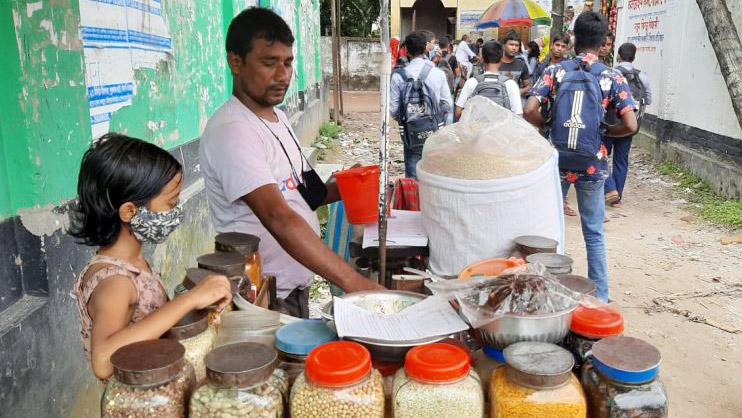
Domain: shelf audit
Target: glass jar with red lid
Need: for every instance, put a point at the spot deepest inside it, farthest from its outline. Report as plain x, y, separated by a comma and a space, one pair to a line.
590, 325
338, 381
437, 381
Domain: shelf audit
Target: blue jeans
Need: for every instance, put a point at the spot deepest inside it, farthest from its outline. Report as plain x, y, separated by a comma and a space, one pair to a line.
620, 148
411, 157
591, 205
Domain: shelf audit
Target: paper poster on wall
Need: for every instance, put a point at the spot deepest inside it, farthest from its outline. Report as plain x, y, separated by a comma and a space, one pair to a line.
645, 28
468, 21
118, 37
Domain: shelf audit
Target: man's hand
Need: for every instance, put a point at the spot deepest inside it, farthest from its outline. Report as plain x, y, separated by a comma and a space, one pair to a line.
361, 283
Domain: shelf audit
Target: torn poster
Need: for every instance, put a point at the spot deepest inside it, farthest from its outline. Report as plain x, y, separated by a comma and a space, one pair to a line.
119, 36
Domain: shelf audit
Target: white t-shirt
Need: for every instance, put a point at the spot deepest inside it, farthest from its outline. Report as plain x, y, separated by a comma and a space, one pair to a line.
463, 55
511, 86
240, 154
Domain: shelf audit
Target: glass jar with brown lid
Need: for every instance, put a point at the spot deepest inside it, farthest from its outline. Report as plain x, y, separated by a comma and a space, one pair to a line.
195, 334
231, 265
241, 383
247, 245
150, 378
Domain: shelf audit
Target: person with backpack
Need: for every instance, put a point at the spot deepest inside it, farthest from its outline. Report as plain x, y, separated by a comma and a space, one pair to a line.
619, 148
579, 91
420, 100
490, 84
442, 63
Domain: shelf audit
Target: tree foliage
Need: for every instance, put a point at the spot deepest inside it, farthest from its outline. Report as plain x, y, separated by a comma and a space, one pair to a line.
356, 17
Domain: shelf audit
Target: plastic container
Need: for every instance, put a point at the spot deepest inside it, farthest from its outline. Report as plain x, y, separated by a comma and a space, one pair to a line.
197, 337
621, 380
240, 384
295, 341
150, 378
590, 325
437, 382
492, 267
486, 361
246, 245
338, 381
537, 381
240, 326
359, 189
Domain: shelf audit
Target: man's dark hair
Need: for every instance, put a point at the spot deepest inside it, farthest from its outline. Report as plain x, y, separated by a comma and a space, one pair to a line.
560, 37
415, 43
512, 36
117, 169
492, 52
256, 23
590, 31
443, 43
534, 50
611, 36
429, 35
627, 52
480, 41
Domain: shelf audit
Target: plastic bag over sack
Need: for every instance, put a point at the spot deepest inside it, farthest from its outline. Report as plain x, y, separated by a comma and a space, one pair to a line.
489, 142
522, 291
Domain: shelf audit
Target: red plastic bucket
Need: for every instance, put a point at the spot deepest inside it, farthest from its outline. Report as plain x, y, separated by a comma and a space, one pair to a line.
359, 189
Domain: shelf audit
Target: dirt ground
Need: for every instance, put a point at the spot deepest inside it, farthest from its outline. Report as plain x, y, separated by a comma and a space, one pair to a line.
678, 286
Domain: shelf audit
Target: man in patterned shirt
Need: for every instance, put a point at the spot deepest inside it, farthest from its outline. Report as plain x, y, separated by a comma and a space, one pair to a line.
590, 32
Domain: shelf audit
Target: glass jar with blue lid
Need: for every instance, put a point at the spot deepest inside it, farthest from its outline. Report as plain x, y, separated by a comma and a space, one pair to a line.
295, 341
621, 380
486, 362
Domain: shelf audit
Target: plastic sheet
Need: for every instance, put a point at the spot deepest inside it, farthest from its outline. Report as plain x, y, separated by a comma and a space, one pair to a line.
489, 142
525, 290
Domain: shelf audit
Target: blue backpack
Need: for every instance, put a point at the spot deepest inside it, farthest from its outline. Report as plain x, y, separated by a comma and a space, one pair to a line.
419, 115
577, 113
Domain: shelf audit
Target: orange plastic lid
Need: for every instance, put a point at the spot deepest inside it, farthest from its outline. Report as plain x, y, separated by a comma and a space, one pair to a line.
338, 364
437, 363
491, 268
597, 322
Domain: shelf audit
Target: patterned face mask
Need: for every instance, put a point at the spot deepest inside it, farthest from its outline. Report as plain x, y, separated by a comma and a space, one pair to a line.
155, 227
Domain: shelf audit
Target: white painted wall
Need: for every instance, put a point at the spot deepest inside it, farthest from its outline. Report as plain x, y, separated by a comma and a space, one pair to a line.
686, 81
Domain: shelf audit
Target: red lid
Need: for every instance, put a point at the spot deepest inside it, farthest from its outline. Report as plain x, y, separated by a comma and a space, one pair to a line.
437, 363
338, 364
597, 322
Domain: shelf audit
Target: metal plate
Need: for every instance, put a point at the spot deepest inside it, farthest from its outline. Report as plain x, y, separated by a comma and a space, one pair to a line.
538, 364
531, 244
550, 260
627, 354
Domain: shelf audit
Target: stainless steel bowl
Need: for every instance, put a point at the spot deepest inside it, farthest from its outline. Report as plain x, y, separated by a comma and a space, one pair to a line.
510, 329
386, 302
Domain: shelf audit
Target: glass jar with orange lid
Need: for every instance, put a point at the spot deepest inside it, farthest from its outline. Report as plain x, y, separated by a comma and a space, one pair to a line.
246, 245
437, 381
590, 325
338, 381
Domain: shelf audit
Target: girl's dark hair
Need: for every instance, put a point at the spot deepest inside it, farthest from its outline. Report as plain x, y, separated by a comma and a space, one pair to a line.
535, 51
115, 170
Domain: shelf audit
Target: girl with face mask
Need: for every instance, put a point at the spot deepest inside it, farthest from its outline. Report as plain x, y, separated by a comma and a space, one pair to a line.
128, 193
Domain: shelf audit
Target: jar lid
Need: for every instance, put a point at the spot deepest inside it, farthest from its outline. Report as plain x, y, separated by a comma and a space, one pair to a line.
578, 284
228, 264
626, 359
338, 364
538, 365
194, 276
300, 338
386, 368
194, 323
550, 260
151, 362
494, 354
437, 363
597, 322
237, 242
240, 365
531, 244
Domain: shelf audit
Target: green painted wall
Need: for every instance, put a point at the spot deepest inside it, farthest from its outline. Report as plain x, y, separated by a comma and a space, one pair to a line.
45, 124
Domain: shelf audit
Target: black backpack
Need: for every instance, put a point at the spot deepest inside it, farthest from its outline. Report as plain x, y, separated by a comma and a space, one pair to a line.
490, 86
638, 89
419, 115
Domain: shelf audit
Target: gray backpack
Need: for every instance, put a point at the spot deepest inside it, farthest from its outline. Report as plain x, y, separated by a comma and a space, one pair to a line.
490, 86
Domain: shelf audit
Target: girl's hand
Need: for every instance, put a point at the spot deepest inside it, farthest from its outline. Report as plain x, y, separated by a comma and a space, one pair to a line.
215, 289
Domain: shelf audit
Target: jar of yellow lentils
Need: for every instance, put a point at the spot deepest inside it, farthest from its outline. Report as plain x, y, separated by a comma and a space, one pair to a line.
537, 381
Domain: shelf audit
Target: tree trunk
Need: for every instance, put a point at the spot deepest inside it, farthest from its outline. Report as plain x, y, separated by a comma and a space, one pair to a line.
557, 17
726, 43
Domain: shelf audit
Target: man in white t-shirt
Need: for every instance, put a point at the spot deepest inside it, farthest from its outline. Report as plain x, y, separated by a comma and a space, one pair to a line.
492, 55
257, 180
463, 55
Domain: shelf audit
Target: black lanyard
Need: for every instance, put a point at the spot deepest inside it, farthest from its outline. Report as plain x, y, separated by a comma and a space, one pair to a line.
301, 155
